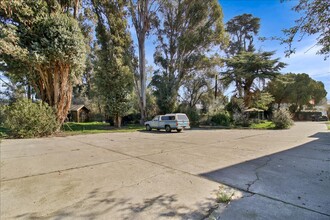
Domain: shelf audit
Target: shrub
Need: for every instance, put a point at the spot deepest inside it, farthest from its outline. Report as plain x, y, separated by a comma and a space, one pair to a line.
25, 119
2, 114
282, 119
193, 116
221, 118
241, 119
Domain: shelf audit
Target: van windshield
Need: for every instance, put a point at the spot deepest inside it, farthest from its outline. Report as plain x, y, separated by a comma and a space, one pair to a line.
182, 117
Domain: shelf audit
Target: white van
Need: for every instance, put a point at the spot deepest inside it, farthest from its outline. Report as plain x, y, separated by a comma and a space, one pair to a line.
169, 122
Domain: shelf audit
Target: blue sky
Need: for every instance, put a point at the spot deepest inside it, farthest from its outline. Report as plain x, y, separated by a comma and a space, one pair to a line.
275, 16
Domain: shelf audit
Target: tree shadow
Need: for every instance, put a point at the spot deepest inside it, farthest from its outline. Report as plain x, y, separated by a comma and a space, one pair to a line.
99, 204
299, 176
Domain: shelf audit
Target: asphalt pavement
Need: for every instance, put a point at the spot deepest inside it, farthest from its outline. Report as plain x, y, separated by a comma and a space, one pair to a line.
271, 174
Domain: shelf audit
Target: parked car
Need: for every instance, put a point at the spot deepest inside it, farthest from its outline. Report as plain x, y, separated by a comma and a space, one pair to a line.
319, 118
323, 118
169, 122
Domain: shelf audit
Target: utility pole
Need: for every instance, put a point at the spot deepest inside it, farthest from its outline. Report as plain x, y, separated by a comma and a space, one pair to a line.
216, 87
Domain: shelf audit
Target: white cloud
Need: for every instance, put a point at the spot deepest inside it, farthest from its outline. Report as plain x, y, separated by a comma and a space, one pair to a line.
305, 60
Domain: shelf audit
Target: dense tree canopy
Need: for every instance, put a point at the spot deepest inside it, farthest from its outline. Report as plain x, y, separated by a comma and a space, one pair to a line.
247, 67
114, 58
186, 32
45, 49
242, 29
297, 90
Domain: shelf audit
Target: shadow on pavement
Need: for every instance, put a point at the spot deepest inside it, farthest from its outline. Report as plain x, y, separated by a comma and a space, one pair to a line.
98, 205
299, 176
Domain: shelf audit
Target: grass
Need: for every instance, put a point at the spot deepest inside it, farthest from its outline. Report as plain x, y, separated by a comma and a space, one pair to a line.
224, 195
328, 124
73, 128
263, 125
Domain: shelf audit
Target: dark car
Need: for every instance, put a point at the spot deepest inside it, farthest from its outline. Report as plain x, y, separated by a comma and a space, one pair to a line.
323, 118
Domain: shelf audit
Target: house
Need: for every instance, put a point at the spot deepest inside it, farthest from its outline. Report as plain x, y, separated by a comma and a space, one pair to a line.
78, 113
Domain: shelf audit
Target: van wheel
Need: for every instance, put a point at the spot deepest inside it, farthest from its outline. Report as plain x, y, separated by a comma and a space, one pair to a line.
148, 128
167, 128
179, 130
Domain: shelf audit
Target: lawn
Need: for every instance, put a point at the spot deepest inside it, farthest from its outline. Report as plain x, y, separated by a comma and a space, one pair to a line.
3, 132
72, 128
328, 124
263, 125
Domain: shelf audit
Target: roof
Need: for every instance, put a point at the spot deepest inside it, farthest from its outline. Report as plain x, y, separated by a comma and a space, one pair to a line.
254, 110
78, 107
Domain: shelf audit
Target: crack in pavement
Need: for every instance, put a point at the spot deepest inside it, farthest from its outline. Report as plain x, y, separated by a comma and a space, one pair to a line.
63, 170
257, 173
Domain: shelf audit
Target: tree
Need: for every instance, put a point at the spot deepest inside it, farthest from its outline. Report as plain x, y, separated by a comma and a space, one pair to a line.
46, 49
114, 70
281, 88
305, 91
142, 16
242, 29
262, 100
247, 67
296, 89
314, 21
186, 34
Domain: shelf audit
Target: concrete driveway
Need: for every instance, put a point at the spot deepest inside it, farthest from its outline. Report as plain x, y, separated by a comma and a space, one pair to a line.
156, 175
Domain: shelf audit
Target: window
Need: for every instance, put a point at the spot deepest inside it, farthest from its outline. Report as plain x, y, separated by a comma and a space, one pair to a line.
182, 117
155, 118
171, 117
165, 118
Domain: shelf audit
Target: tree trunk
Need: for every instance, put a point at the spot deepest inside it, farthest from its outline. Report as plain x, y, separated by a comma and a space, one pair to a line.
117, 121
29, 96
142, 68
55, 88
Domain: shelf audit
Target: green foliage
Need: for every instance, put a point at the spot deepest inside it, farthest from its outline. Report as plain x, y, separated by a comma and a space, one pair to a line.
221, 118
262, 100
296, 89
43, 50
186, 34
56, 39
191, 112
114, 63
224, 195
242, 29
193, 116
282, 119
246, 67
281, 88
263, 125
314, 20
25, 119
241, 119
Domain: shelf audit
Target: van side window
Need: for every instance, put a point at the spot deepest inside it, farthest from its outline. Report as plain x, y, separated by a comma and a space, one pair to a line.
182, 117
165, 118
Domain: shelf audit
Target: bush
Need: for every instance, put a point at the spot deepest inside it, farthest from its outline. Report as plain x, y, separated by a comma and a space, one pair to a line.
2, 114
25, 119
221, 118
241, 119
282, 119
193, 116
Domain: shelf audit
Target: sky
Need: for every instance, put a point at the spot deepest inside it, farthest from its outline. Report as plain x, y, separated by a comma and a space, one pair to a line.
275, 16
